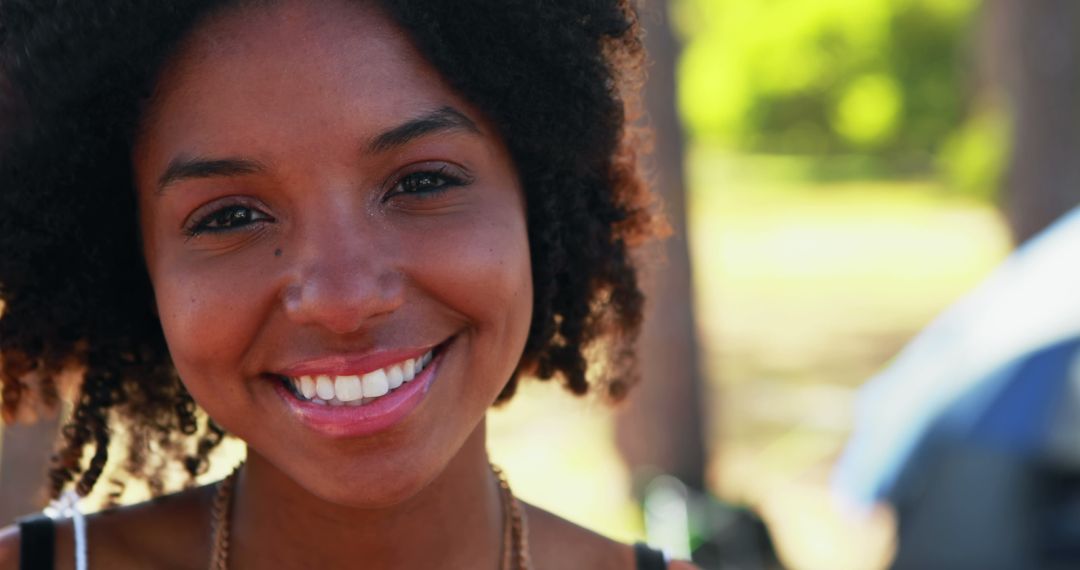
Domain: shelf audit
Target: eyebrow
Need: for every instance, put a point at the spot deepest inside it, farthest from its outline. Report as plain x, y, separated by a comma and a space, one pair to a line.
443, 119
440, 120
183, 168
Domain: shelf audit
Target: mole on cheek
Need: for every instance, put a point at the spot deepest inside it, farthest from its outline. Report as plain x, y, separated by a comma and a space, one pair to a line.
277, 252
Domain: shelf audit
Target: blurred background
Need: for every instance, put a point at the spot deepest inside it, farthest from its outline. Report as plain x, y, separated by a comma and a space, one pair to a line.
837, 172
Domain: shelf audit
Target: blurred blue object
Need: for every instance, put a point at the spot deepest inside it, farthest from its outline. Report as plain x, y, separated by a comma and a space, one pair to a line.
965, 374
972, 433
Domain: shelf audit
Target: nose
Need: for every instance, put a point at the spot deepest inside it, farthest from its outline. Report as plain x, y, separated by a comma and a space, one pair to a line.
341, 279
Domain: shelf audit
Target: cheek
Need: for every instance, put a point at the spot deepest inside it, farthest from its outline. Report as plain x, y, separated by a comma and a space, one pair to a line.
209, 313
482, 271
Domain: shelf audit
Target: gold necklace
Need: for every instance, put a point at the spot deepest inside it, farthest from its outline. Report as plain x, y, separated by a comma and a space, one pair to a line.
515, 547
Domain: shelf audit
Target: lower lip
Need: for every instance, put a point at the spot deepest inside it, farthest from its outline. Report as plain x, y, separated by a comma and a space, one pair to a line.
368, 419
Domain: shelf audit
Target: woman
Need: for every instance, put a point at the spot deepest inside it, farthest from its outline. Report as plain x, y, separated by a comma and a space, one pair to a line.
344, 229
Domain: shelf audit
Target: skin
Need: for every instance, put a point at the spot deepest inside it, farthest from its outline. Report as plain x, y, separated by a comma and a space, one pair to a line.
331, 243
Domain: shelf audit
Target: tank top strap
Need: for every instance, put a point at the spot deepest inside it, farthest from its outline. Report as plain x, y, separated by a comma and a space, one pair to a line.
37, 539
648, 558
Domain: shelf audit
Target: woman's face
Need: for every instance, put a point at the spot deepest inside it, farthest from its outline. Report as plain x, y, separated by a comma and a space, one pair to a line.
319, 212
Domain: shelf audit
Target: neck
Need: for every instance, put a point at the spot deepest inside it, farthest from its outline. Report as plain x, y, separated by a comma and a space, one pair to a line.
454, 522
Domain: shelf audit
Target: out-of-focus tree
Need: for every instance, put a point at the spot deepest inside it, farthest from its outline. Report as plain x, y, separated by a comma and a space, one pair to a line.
890, 80
1032, 48
662, 428
24, 457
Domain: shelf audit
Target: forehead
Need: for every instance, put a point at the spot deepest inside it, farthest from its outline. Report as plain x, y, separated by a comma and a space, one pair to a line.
289, 70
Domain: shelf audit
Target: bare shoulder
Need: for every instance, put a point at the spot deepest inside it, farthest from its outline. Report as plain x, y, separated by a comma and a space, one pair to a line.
9, 548
166, 532
138, 536
556, 543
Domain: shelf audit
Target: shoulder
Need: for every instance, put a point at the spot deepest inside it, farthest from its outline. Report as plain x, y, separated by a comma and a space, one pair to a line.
166, 532
9, 548
556, 543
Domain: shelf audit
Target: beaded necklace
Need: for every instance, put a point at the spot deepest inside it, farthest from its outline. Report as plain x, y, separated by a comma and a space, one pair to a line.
515, 547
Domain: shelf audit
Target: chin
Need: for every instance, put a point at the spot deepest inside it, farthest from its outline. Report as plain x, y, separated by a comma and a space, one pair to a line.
367, 483
369, 491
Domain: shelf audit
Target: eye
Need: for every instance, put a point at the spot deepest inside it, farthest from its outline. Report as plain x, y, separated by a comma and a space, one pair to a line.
226, 219
429, 182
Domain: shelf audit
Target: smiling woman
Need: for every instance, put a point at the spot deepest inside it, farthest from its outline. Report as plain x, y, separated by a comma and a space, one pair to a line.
337, 230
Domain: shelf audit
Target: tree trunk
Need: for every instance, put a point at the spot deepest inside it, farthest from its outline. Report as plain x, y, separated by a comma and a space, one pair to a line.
661, 427
1033, 47
24, 459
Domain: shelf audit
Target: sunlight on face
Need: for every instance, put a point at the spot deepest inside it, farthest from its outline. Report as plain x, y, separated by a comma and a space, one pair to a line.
313, 197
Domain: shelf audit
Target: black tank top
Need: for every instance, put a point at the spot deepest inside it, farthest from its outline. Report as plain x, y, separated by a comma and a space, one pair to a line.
36, 537
38, 534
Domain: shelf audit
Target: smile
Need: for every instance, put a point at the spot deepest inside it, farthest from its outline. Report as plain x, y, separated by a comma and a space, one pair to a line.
345, 402
356, 389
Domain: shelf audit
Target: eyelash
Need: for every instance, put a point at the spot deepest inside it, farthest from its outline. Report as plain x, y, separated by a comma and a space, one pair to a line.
435, 182
226, 214
425, 184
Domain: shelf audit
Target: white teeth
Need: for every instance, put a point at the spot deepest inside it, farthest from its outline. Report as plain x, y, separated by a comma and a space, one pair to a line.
375, 384
324, 387
354, 390
307, 387
395, 376
348, 388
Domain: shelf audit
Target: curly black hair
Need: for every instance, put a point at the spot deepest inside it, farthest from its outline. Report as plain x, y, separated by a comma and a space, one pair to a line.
558, 80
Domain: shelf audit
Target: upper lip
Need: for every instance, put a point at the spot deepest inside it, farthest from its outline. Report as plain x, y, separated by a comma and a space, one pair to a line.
341, 364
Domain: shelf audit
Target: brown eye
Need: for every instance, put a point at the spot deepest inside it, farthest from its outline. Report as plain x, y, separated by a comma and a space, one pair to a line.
226, 219
429, 183
420, 182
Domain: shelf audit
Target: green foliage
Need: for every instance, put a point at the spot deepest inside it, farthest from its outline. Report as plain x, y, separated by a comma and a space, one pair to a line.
880, 78
868, 112
974, 156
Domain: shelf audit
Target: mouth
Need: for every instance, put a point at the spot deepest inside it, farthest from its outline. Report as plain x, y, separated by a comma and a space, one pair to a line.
356, 389
352, 404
